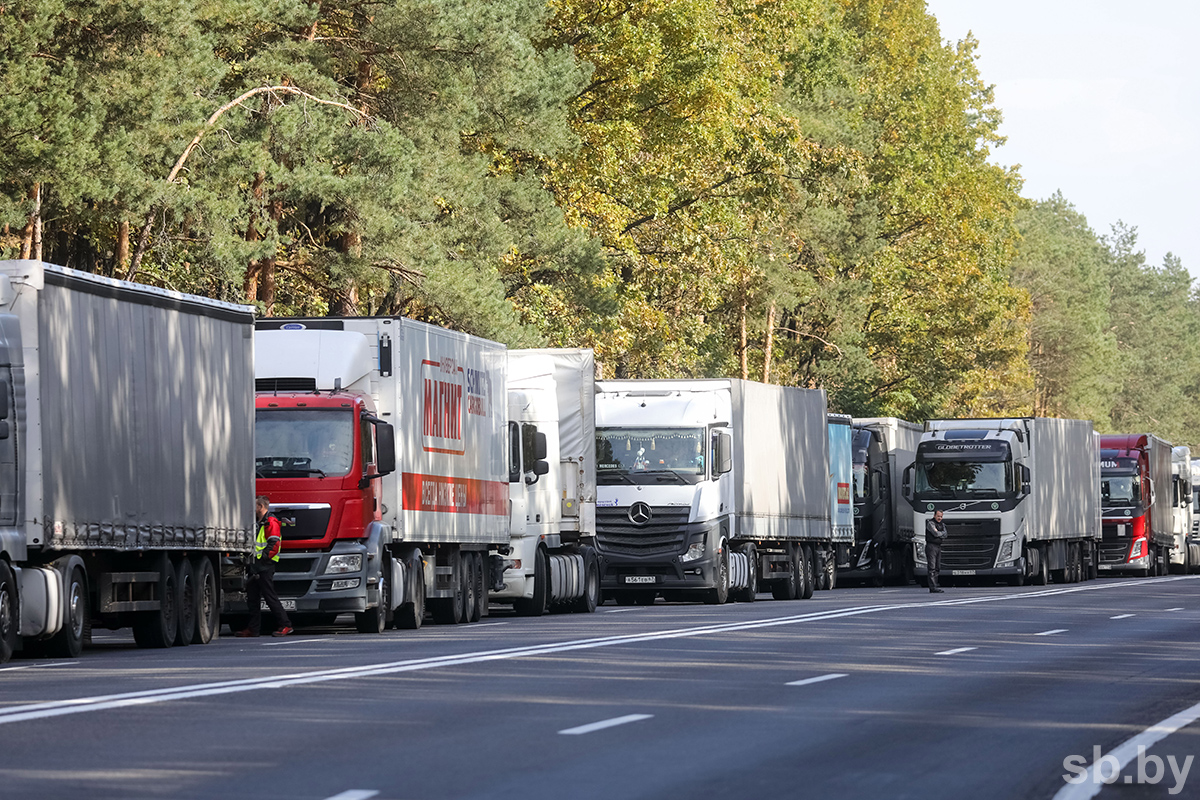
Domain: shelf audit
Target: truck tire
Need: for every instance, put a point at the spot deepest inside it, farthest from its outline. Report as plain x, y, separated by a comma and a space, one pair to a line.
1040, 569
68, 642
411, 614
830, 570
588, 601
450, 610
808, 572
481, 588
158, 628
185, 586
719, 594
374, 620
536, 606
8, 612
789, 587
208, 601
748, 594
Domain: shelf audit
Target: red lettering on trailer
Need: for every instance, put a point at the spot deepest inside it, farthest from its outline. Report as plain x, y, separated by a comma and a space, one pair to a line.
442, 412
443, 494
843, 493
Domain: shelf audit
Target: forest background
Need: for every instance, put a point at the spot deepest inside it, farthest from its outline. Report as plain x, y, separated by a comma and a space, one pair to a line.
802, 192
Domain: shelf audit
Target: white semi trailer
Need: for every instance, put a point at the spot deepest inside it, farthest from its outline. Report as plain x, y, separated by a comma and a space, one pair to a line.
126, 418
710, 489
552, 482
1181, 509
1020, 497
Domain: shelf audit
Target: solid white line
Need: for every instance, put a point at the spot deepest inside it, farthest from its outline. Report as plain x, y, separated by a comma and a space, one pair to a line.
820, 679
79, 705
13, 669
955, 651
354, 794
488, 624
1051, 633
292, 641
1123, 616
618, 610
608, 723
1175, 609
1126, 752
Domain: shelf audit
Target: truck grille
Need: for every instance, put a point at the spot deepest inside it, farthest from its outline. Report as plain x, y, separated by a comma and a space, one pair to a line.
302, 522
971, 544
1113, 552
664, 534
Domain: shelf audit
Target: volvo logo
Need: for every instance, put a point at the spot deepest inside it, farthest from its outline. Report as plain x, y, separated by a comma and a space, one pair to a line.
640, 513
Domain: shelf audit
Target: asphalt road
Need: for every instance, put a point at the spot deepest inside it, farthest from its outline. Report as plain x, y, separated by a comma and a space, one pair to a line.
859, 693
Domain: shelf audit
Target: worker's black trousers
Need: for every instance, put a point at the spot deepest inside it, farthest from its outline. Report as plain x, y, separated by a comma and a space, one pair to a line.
933, 557
260, 587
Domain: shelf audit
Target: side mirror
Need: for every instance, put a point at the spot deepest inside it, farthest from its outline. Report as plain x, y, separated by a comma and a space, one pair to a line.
1151, 481
385, 442
540, 467
1026, 480
906, 483
723, 454
540, 449
3, 399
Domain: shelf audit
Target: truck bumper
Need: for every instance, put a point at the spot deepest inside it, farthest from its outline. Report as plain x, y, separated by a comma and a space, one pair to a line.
627, 573
304, 583
922, 571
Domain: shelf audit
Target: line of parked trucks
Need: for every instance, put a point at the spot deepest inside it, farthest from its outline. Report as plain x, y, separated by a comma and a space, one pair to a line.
419, 471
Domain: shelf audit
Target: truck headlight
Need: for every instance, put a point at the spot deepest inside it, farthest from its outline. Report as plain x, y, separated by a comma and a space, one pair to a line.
1006, 551
695, 550
920, 550
339, 564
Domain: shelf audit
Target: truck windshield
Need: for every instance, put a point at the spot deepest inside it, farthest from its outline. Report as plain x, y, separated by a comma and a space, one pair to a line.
963, 480
1120, 490
292, 442
650, 455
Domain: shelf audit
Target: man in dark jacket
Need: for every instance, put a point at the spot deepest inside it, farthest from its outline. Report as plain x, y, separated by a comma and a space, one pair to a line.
260, 583
935, 534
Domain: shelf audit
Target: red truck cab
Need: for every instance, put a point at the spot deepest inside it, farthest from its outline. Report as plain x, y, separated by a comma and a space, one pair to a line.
1134, 468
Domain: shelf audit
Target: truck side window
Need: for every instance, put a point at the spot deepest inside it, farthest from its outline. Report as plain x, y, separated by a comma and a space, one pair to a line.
367, 435
514, 452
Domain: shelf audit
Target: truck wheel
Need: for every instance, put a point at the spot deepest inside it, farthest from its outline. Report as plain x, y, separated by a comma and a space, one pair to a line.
479, 564
536, 606
809, 570
748, 594
830, 570
185, 585
587, 602
1041, 571
68, 642
410, 615
208, 605
8, 612
719, 594
789, 587
158, 628
470, 590
374, 620
1093, 568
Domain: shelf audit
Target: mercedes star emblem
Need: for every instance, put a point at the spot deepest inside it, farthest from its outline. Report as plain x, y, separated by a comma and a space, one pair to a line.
639, 513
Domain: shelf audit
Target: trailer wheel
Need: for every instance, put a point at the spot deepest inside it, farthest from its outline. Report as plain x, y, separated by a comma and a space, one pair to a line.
590, 598
8, 612
536, 606
809, 572
789, 587
748, 594
158, 628
410, 615
208, 605
185, 582
68, 642
719, 594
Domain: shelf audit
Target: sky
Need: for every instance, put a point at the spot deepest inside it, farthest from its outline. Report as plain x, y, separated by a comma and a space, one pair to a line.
1101, 100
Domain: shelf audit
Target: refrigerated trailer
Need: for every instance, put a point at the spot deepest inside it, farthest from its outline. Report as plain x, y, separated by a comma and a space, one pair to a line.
552, 482
382, 444
710, 489
883, 518
1020, 497
126, 458
1181, 510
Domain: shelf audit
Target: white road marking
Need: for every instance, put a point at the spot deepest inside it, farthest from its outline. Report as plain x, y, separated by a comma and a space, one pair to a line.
1126, 752
488, 624
1051, 633
1123, 616
40, 666
292, 641
607, 723
820, 679
618, 610
956, 651
354, 794
80, 705
1175, 609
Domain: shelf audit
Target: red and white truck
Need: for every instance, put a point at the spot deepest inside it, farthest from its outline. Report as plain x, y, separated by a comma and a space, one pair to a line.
1135, 498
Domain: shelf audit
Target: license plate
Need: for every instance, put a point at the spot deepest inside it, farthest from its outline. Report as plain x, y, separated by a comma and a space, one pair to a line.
288, 605
962, 572
639, 579
1106, 566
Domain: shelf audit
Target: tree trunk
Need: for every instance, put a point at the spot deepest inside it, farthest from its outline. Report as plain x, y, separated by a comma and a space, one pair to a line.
31, 239
122, 247
743, 355
770, 344
250, 280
